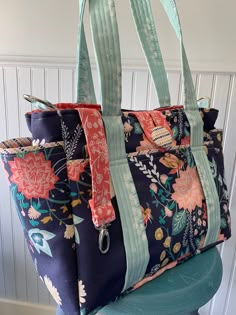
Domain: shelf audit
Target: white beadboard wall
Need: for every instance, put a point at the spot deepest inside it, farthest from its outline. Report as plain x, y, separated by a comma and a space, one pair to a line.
55, 82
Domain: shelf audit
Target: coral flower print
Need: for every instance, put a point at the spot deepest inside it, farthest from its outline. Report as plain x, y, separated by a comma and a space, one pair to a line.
147, 215
153, 187
75, 168
172, 161
82, 293
168, 212
188, 190
33, 175
52, 290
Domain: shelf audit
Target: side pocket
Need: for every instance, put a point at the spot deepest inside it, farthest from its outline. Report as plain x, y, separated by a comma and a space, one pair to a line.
39, 186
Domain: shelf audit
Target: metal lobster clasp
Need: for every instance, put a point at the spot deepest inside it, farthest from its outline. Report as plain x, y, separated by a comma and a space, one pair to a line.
103, 239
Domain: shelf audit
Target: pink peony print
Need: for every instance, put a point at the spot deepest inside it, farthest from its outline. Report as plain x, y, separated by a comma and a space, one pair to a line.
188, 190
33, 175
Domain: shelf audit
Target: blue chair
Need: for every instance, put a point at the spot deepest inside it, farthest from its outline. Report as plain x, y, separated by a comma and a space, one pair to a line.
179, 291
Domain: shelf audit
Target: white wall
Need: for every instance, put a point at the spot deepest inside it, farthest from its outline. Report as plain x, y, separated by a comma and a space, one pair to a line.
48, 28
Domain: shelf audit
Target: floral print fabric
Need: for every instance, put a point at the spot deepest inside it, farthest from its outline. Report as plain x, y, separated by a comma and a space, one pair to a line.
39, 187
57, 218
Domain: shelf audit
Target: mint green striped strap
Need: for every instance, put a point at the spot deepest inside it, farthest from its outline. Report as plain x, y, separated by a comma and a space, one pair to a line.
196, 124
146, 29
107, 52
84, 81
211, 195
134, 234
106, 42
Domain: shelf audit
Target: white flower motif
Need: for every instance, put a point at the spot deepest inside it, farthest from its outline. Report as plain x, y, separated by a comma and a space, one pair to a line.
82, 292
37, 142
52, 290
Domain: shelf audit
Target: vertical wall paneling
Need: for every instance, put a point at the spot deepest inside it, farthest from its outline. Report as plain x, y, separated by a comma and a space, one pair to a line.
127, 81
7, 235
2, 280
51, 85
66, 85
230, 303
174, 79
229, 133
220, 97
205, 85
24, 87
11, 98
223, 296
3, 125
18, 279
38, 82
7, 214
3, 135
152, 100
23, 79
140, 90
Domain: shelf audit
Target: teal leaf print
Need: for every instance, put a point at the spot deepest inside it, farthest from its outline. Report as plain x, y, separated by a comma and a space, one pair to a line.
39, 239
137, 128
186, 132
77, 238
152, 192
42, 211
162, 221
24, 205
34, 223
73, 194
171, 206
160, 192
179, 222
156, 203
223, 223
20, 197
77, 219
36, 205
175, 131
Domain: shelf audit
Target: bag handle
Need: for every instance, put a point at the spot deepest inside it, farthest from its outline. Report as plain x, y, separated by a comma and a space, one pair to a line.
84, 81
145, 26
109, 63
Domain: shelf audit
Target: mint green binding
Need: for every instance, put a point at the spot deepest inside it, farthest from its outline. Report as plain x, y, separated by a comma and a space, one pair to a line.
107, 48
196, 124
84, 81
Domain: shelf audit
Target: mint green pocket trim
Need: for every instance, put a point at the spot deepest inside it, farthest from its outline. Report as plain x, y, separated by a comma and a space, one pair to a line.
134, 233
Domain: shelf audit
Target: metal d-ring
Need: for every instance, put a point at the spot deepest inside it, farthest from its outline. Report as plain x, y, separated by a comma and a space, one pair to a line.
104, 239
